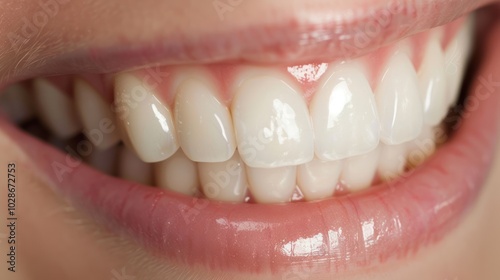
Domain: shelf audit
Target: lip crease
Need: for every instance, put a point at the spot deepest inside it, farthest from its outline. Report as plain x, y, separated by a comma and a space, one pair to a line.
315, 33
389, 221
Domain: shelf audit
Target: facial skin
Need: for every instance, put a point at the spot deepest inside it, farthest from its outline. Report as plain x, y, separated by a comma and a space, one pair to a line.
57, 241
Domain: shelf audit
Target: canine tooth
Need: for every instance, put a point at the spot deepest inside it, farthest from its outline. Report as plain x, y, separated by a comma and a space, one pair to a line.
56, 109
398, 101
317, 179
456, 56
358, 172
104, 160
272, 123
224, 181
204, 124
272, 185
344, 115
16, 103
392, 160
147, 121
96, 116
433, 84
178, 173
131, 168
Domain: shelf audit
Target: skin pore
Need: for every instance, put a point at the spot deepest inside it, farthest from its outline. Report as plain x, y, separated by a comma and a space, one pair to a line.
59, 241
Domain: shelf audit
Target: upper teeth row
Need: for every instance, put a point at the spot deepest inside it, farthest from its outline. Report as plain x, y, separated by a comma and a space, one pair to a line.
268, 121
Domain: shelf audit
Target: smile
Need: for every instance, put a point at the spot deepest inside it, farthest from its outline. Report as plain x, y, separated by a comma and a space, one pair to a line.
334, 151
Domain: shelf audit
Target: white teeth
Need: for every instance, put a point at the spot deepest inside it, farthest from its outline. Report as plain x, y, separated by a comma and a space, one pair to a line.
344, 115
96, 116
146, 120
318, 179
392, 161
272, 185
56, 109
204, 124
272, 123
358, 172
456, 56
16, 103
423, 147
131, 168
224, 181
433, 84
398, 101
177, 173
104, 161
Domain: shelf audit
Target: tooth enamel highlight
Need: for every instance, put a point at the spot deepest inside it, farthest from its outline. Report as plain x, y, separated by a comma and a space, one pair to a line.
272, 185
96, 116
16, 103
398, 101
204, 124
224, 181
456, 56
317, 179
344, 115
147, 121
433, 84
105, 161
358, 172
272, 123
178, 173
55, 109
131, 168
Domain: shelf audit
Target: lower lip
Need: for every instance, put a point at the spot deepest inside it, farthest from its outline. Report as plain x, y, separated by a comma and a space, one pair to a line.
386, 222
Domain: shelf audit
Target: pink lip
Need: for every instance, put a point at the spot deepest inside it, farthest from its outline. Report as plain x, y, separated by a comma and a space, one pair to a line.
387, 222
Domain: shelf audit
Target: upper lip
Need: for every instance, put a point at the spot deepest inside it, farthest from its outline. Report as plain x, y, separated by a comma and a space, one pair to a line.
308, 31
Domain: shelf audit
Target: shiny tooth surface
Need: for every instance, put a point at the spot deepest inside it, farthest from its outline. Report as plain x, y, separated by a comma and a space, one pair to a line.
456, 57
177, 173
16, 102
131, 168
104, 160
433, 84
95, 115
224, 181
358, 172
272, 123
398, 101
392, 160
272, 185
146, 120
318, 179
344, 115
55, 109
204, 124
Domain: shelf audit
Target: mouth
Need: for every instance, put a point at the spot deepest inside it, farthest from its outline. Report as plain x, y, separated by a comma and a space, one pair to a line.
339, 164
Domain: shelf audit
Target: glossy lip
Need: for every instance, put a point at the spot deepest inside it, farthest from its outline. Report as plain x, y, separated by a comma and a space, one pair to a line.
386, 222
316, 31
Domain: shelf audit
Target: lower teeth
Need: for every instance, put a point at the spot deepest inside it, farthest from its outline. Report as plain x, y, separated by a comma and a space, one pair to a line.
233, 181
